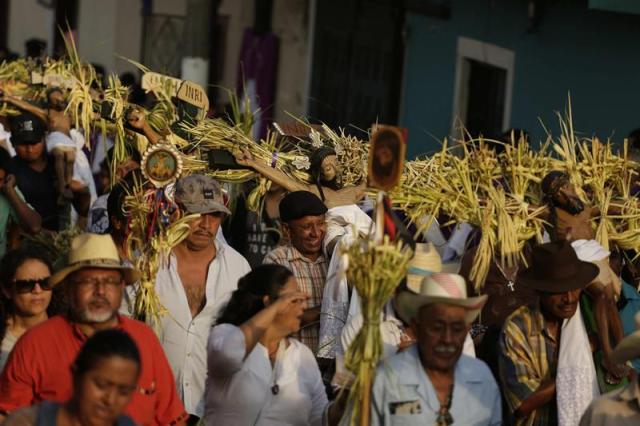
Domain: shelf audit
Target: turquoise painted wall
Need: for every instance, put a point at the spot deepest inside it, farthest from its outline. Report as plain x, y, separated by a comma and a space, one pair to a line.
594, 55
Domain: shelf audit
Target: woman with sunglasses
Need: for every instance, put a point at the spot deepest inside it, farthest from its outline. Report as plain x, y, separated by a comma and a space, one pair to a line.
25, 296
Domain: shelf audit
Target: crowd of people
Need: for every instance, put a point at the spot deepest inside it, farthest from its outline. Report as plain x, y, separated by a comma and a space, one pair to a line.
256, 316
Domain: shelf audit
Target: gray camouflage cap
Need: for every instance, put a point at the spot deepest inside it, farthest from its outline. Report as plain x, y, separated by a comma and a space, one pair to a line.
200, 194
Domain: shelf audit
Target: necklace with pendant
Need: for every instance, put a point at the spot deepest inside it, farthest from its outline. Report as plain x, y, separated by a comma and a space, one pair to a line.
279, 354
510, 279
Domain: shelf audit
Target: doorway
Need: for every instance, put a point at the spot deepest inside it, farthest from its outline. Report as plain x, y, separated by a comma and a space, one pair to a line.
357, 63
483, 89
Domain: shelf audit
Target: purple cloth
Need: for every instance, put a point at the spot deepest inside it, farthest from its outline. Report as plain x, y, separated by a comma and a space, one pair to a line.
259, 62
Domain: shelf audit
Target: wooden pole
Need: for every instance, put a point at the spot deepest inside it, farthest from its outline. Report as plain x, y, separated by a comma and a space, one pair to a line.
366, 400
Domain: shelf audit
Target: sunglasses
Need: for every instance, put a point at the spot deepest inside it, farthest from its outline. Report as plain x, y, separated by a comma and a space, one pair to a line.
27, 286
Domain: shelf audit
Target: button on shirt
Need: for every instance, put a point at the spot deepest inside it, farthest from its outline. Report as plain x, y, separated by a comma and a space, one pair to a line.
239, 390
311, 277
183, 337
39, 369
404, 395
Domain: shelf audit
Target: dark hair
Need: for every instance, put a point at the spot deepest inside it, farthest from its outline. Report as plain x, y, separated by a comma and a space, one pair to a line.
127, 78
104, 344
634, 139
52, 91
131, 152
247, 300
316, 158
11, 261
115, 200
35, 47
5, 159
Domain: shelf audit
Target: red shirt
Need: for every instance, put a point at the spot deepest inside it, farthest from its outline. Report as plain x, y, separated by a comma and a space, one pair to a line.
39, 368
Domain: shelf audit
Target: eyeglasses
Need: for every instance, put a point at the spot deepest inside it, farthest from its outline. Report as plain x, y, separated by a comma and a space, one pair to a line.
27, 286
93, 283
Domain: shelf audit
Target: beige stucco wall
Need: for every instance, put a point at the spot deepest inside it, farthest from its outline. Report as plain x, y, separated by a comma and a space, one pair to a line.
290, 24
107, 29
28, 19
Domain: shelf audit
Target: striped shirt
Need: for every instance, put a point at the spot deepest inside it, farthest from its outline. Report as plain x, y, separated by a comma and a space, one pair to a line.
527, 349
311, 277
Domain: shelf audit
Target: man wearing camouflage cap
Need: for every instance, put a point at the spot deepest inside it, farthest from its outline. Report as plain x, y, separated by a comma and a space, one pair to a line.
201, 274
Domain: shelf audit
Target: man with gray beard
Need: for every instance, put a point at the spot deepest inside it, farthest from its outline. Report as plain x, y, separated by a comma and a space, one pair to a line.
40, 366
432, 382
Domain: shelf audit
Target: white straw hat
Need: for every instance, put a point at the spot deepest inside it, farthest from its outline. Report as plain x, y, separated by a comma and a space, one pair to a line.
94, 251
438, 288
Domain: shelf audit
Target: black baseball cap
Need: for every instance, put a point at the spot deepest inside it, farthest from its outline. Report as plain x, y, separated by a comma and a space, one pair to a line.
26, 129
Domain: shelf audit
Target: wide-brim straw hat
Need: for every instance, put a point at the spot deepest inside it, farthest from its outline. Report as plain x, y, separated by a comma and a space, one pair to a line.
442, 287
629, 346
94, 251
426, 261
555, 268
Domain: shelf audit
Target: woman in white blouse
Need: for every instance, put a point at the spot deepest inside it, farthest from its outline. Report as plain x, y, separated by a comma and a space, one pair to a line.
256, 374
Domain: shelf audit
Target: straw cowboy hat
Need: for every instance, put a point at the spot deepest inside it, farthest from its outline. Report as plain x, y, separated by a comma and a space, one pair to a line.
555, 268
426, 261
629, 346
94, 251
438, 288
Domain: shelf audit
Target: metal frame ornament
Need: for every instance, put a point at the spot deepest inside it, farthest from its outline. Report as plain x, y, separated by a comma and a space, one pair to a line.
162, 173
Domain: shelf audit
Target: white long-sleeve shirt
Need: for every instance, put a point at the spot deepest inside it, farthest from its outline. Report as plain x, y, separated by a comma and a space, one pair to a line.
239, 391
183, 337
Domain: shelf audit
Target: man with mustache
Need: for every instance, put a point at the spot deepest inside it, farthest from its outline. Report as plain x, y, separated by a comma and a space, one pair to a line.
432, 382
571, 220
194, 285
303, 220
530, 341
39, 368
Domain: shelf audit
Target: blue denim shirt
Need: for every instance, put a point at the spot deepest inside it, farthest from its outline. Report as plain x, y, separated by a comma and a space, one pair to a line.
628, 313
404, 395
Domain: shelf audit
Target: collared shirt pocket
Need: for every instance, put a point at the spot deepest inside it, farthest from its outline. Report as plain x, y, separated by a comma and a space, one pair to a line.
407, 412
405, 407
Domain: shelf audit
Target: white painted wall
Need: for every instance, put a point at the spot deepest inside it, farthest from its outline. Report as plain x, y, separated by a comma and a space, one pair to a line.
170, 7
128, 33
96, 35
110, 28
28, 19
240, 15
290, 23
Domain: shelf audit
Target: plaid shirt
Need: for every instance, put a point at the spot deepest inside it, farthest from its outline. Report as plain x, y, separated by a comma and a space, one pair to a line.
526, 351
311, 277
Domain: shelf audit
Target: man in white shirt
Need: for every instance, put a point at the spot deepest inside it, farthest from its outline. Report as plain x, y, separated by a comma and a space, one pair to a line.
201, 274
